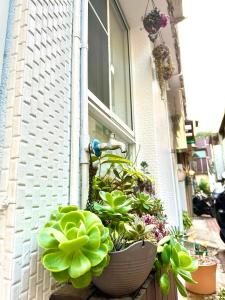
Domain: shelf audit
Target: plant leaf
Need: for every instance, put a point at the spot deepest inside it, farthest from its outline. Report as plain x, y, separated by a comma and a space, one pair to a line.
80, 265
56, 261
82, 281
164, 283
62, 276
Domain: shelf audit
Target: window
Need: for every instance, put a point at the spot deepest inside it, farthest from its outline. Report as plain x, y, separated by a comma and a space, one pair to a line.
108, 62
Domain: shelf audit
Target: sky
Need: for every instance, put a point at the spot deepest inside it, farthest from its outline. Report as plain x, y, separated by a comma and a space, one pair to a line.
202, 41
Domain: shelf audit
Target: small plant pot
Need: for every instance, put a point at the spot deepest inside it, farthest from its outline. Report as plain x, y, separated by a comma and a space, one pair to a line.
128, 269
205, 276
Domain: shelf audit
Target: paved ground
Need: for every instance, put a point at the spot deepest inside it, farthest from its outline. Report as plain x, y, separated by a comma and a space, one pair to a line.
206, 229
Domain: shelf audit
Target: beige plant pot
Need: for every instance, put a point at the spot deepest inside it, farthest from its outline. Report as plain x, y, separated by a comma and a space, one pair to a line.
128, 269
205, 276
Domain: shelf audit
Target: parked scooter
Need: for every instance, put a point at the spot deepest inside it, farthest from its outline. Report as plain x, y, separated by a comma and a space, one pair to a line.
203, 205
219, 199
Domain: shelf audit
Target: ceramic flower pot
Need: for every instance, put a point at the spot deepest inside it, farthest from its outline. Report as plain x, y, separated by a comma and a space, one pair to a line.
206, 280
127, 270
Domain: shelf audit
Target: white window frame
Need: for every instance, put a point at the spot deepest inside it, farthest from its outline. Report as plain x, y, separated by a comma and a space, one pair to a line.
97, 108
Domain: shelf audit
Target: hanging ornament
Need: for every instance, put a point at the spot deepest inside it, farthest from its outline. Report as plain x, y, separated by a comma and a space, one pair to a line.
164, 65
153, 21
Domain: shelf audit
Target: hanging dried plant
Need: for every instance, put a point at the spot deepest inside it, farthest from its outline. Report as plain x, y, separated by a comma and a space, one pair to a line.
164, 65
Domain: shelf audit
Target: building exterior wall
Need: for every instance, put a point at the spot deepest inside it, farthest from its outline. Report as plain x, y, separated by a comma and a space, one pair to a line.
36, 154
152, 127
35, 174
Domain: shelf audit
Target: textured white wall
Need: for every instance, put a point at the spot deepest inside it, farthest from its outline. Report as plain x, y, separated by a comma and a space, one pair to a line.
152, 124
37, 146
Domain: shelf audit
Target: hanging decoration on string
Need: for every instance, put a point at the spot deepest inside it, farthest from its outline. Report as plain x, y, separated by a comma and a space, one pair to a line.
164, 65
153, 21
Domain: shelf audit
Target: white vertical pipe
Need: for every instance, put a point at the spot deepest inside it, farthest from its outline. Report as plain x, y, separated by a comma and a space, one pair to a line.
75, 107
84, 136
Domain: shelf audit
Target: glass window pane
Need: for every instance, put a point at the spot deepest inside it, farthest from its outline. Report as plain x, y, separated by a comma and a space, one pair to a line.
98, 131
100, 7
120, 72
98, 69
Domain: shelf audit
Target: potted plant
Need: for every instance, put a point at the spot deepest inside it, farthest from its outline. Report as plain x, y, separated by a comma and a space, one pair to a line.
134, 250
205, 275
76, 246
163, 63
120, 236
153, 21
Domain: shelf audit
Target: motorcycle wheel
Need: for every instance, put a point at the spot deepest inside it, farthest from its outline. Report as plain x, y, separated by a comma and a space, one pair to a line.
197, 212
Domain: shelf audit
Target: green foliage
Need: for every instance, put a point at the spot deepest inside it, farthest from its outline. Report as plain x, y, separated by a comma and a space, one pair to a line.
116, 173
219, 296
174, 259
76, 246
187, 220
145, 204
114, 208
176, 233
139, 231
204, 186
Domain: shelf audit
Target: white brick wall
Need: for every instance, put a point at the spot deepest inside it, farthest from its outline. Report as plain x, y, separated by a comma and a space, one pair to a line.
37, 146
152, 124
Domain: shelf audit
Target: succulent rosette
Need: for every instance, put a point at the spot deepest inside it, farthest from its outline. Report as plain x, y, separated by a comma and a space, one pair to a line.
76, 246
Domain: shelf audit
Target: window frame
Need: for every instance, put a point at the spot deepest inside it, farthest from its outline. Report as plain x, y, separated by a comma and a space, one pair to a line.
97, 108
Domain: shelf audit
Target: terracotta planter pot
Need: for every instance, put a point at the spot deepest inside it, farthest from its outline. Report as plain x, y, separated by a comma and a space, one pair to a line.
206, 280
127, 270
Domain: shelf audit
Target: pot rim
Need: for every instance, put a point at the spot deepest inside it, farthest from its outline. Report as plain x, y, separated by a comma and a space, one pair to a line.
132, 245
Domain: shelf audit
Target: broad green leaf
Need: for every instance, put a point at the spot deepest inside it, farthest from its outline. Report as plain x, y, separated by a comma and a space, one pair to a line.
81, 230
119, 201
72, 217
71, 234
62, 276
180, 287
82, 281
97, 270
166, 254
94, 238
46, 240
185, 259
80, 265
193, 266
95, 257
186, 276
56, 261
68, 208
164, 283
175, 257
90, 219
68, 226
164, 240
75, 244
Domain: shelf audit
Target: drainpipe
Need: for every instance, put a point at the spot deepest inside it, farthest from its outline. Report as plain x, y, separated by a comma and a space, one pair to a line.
84, 136
174, 176
75, 107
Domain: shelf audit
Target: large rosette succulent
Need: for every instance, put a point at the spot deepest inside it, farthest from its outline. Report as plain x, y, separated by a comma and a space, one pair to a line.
76, 246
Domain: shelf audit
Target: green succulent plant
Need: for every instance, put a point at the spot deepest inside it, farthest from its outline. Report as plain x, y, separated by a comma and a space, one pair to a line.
173, 258
138, 231
145, 204
187, 220
115, 207
76, 246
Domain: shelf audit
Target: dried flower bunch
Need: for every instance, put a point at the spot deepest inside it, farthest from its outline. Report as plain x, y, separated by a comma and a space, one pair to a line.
153, 22
164, 65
